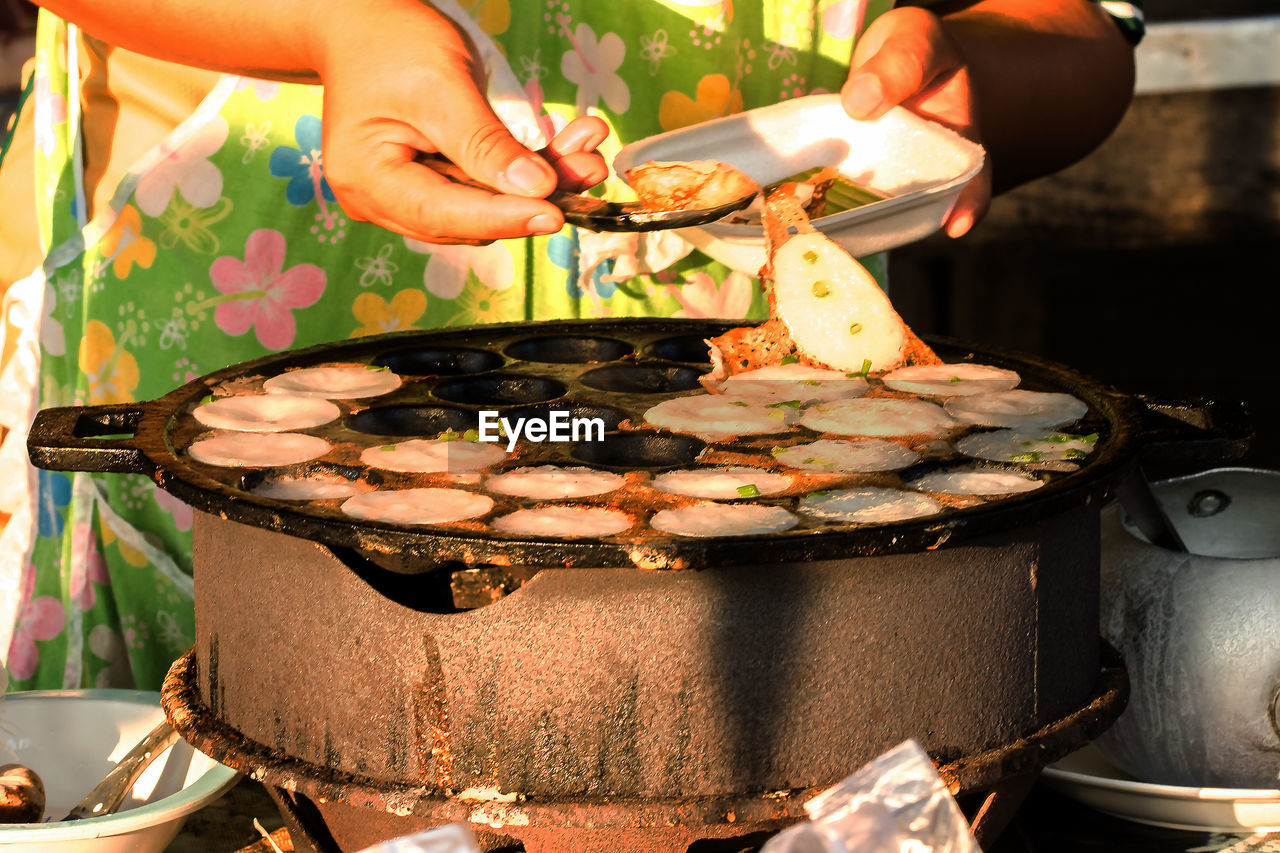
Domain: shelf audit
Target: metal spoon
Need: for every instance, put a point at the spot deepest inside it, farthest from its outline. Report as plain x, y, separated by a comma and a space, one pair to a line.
108, 794
597, 214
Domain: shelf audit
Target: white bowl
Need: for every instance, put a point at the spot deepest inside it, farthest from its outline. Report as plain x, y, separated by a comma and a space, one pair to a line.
73, 738
919, 165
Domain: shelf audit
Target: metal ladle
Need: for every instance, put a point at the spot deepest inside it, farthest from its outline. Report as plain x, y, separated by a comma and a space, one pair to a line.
597, 214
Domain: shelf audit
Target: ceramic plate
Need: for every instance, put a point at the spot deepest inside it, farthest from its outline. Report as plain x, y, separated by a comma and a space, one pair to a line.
1087, 777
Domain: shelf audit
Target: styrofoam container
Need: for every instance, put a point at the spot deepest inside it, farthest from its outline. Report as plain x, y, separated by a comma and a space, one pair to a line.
919, 165
72, 739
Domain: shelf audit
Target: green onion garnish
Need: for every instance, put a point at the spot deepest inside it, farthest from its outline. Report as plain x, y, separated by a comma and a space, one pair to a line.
955, 378
738, 403
387, 447
749, 491
471, 435
790, 404
208, 398
817, 383
1075, 453
1033, 456
790, 359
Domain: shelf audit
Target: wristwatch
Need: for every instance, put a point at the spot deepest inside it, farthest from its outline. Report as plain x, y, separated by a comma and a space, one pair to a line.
1128, 17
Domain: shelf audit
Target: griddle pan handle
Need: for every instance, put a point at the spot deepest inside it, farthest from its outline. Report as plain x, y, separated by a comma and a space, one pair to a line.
88, 438
1196, 431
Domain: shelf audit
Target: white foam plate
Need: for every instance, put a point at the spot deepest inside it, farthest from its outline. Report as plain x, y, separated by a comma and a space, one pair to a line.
1089, 778
920, 165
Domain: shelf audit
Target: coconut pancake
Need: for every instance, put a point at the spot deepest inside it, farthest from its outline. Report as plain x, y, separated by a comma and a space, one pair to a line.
975, 481
418, 506
1017, 409
831, 455
337, 382
551, 482
257, 450
869, 505
266, 413
709, 519
432, 456
779, 382
729, 483
565, 522
715, 417
878, 417
951, 380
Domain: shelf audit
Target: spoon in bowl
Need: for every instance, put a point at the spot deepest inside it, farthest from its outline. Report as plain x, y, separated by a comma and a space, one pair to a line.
108, 794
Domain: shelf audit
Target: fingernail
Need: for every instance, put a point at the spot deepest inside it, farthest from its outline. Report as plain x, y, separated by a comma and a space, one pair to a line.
527, 175
862, 95
574, 138
543, 223
960, 226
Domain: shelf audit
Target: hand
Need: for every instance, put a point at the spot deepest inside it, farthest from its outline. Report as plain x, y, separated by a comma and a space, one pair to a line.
907, 58
416, 85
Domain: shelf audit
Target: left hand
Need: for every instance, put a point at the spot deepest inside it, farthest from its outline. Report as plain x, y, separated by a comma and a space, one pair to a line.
906, 57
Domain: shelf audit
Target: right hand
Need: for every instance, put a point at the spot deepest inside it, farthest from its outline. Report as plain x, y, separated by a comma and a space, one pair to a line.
405, 80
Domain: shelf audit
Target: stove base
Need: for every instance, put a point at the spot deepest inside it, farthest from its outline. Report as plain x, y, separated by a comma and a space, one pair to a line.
330, 811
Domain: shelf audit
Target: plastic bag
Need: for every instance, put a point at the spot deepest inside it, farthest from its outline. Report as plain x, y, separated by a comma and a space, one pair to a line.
450, 838
895, 804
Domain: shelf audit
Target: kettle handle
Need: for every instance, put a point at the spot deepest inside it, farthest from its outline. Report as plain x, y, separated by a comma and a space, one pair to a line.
1273, 710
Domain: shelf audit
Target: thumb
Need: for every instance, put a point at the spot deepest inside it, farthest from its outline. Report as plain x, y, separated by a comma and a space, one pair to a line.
900, 55
472, 136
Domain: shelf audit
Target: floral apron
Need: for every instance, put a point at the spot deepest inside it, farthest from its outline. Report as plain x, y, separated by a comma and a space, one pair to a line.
225, 243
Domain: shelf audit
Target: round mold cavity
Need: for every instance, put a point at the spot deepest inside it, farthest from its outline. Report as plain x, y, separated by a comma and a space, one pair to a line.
611, 416
643, 378
411, 420
639, 449
569, 349
439, 361
688, 348
500, 389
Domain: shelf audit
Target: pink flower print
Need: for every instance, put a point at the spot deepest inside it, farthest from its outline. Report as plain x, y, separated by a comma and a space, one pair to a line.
51, 335
843, 19
592, 64
449, 266
260, 294
548, 123
186, 168
183, 515
700, 296
92, 568
38, 619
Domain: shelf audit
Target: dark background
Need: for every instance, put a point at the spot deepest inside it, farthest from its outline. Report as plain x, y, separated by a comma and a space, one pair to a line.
1151, 265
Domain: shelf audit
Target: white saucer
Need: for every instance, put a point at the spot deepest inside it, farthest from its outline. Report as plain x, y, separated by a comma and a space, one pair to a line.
1087, 777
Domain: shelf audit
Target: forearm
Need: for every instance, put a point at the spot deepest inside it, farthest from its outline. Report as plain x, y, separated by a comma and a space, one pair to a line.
287, 40
1052, 78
